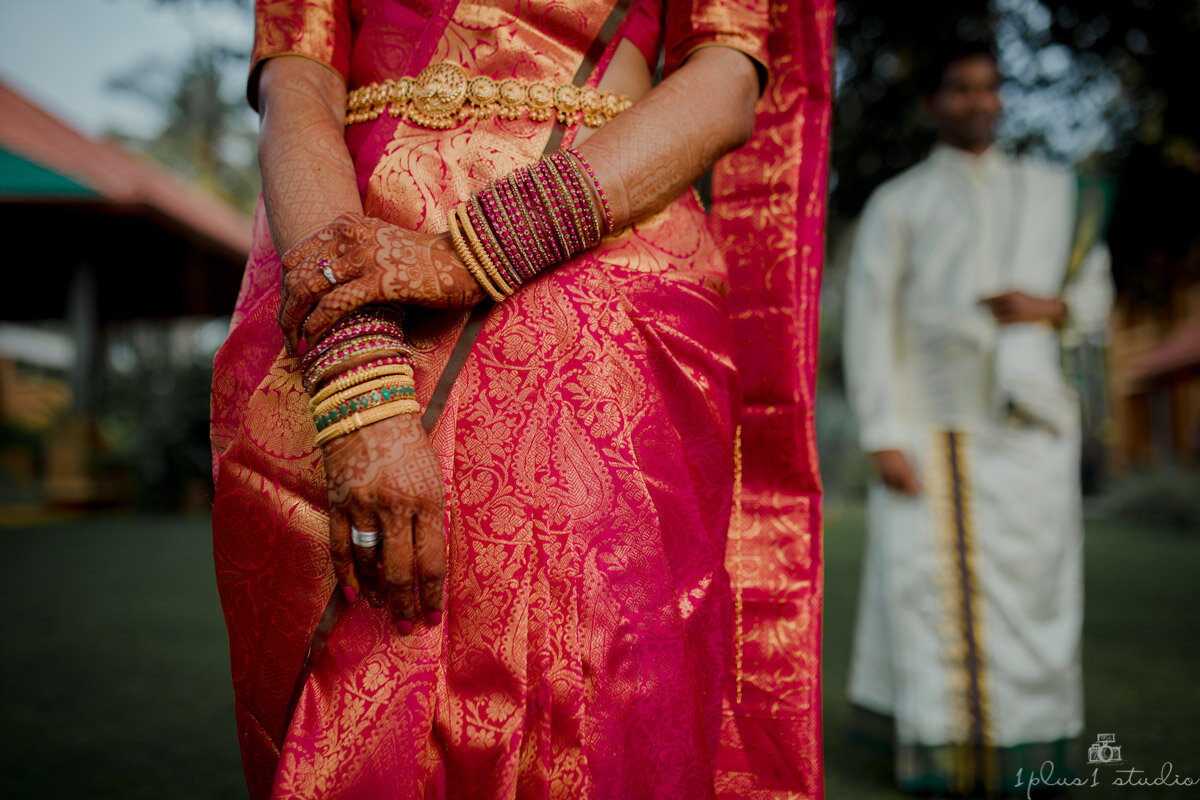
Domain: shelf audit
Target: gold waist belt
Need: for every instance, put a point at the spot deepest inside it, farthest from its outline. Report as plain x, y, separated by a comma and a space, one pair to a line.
443, 95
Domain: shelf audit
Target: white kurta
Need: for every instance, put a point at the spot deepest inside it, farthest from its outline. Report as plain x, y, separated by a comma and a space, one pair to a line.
971, 605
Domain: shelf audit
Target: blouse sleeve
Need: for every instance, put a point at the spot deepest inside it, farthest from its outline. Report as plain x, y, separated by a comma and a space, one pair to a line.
315, 29
740, 24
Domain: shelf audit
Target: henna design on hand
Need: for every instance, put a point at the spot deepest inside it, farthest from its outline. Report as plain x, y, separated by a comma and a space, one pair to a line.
386, 477
374, 262
385, 474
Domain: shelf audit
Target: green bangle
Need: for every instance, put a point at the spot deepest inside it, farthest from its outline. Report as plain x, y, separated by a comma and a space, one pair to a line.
378, 397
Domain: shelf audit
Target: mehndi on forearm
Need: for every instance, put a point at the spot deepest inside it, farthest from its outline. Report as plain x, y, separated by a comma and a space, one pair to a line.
544, 213
359, 373
651, 153
308, 176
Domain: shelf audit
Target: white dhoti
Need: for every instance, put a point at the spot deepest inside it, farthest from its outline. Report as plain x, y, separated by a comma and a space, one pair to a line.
970, 608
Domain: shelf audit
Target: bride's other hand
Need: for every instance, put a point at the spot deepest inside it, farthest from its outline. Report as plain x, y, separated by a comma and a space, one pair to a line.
357, 261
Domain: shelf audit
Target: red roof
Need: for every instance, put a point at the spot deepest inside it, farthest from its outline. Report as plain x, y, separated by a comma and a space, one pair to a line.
117, 176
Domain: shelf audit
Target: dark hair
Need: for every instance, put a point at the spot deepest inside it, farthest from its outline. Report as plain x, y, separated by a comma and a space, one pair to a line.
946, 54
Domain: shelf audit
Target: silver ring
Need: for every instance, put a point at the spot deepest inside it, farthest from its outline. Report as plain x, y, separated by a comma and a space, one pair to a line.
327, 271
364, 538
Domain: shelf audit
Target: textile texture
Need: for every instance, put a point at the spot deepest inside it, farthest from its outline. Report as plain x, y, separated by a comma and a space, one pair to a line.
587, 448
769, 214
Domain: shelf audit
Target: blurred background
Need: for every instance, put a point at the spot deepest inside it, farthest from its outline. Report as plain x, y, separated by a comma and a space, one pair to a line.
127, 180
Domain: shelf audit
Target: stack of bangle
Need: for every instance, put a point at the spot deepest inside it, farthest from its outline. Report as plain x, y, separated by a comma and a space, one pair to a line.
374, 390
362, 404
374, 332
537, 216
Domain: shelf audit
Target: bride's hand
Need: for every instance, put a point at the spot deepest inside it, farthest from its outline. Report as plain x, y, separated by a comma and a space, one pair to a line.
385, 477
370, 261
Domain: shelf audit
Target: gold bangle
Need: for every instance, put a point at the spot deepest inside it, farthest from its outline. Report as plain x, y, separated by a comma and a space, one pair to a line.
477, 250
355, 391
354, 379
361, 419
311, 381
468, 259
363, 402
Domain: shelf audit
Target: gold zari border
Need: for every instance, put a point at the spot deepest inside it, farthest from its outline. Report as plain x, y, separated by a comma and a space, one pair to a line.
972, 750
443, 95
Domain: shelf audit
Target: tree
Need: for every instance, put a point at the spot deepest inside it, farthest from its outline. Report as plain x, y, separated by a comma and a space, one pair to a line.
209, 132
208, 137
1105, 83
155, 398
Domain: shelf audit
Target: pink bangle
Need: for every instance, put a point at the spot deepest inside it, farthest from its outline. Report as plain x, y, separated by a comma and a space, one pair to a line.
532, 212
497, 210
608, 217
384, 361
564, 209
353, 349
512, 208
370, 314
347, 333
577, 190
558, 239
488, 237
584, 200
536, 216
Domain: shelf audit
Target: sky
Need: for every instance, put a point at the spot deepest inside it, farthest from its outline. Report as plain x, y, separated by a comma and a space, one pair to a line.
61, 53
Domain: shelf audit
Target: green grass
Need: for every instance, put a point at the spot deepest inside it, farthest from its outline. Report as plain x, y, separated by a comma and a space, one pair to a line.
115, 667
114, 673
1141, 656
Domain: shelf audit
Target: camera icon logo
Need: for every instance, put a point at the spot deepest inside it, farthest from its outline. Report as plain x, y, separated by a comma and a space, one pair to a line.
1104, 750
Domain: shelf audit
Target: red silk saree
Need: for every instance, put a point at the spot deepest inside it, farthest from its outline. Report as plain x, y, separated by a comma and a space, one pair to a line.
588, 647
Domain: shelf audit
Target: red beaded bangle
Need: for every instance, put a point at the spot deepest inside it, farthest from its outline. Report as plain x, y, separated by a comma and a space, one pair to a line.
533, 214
561, 248
353, 349
566, 209
608, 217
536, 216
584, 201
339, 337
491, 244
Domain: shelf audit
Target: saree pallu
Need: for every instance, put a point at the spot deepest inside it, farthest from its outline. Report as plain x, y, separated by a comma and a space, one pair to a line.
587, 450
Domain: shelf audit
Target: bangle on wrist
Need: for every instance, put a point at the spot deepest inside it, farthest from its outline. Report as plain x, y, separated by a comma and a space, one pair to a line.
361, 419
379, 396
468, 257
384, 367
535, 217
350, 393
